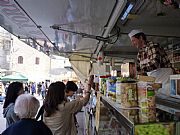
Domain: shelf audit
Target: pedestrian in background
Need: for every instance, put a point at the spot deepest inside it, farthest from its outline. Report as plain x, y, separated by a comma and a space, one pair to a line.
26, 89
43, 90
33, 88
26, 107
13, 91
39, 88
80, 88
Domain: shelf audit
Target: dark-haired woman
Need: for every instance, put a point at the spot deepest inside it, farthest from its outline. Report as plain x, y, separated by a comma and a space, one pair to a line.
59, 114
13, 91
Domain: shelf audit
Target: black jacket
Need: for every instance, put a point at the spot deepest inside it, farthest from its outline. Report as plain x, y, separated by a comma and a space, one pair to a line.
27, 127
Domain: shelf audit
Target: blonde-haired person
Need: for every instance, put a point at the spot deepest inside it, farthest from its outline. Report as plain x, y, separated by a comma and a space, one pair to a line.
26, 107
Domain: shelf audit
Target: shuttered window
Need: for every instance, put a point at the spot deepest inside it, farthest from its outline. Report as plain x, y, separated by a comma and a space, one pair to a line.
37, 61
20, 60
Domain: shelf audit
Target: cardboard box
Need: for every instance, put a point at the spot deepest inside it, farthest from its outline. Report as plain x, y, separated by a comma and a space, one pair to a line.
131, 114
146, 78
147, 115
146, 95
126, 94
156, 86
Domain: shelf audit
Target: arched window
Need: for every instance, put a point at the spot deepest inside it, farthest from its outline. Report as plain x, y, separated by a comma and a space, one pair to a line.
20, 60
37, 61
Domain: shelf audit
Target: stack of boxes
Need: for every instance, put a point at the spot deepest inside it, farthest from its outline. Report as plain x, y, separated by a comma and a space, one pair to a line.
126, 94
139, 95
146, 101
129, 95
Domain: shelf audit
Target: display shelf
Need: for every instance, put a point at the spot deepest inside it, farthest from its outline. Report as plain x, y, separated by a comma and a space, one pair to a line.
173, 62
172, 51
168, 116
168, 101
170, 110
128, 125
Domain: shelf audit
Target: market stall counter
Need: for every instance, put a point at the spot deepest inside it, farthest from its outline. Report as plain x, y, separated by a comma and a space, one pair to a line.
117, 120
168, 101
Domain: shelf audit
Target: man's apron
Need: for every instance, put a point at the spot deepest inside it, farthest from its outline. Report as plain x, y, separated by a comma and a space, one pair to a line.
162, 75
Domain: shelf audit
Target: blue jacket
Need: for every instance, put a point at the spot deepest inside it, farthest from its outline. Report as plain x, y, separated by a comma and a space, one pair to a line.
27, 127
9, 114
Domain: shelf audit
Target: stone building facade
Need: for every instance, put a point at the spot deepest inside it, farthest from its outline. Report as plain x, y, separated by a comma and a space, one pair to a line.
17, 56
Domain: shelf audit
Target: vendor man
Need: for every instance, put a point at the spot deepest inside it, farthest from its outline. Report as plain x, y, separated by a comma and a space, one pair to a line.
152, 60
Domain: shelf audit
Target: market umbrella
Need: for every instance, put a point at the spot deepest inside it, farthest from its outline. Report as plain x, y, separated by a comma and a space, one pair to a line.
14, 77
